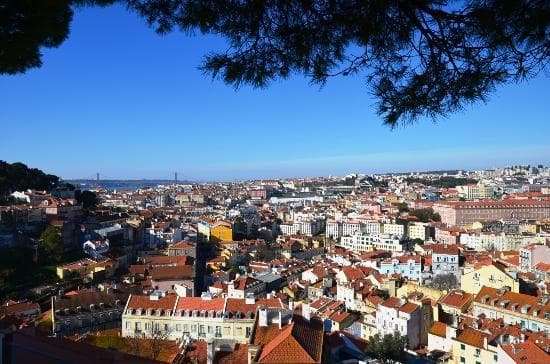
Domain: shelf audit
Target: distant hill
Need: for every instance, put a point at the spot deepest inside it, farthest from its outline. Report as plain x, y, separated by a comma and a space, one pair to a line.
19, 177
122, 184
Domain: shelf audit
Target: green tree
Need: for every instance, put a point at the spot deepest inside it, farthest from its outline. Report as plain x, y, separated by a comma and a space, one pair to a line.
444, 282
387, 348
19, 177
265, 253
425, 215
238, 260
88, 199
402, 207
420, 58
418, 241
52, 244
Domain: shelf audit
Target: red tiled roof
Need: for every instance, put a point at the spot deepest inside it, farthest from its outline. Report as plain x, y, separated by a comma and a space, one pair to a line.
237, 356
198, 303
526, 352
298, 342
162, 273
472, 337
145, 302
449, 249
439, 329
240, 305
458, 299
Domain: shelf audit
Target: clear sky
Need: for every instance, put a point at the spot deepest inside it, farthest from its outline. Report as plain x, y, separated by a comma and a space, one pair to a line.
118, 99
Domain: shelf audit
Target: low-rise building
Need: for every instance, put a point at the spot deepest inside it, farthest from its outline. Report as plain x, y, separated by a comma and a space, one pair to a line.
397, 315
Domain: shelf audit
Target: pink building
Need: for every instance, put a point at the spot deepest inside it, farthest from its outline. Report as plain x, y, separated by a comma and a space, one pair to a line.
533, 254
466, 213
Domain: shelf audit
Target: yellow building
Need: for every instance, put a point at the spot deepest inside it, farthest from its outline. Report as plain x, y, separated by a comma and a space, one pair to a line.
88, 268
471, 347
488, 275
221, 231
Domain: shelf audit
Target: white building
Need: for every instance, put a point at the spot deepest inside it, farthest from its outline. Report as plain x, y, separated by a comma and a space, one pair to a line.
397, 315
394, 229
368, 242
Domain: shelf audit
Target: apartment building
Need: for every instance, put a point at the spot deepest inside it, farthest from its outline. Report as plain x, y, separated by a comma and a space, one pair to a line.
490, 275
409, 267
397, 315
368, 242
466, 213
199, 318
394, 229
533, 254
530, 312
445, 260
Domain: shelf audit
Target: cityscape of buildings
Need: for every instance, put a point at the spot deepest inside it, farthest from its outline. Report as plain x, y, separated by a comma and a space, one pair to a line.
434, 267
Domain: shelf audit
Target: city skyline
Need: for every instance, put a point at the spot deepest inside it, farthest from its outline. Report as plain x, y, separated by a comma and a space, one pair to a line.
144, 109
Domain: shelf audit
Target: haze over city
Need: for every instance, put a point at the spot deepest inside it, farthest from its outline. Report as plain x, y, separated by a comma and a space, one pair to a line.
274, 182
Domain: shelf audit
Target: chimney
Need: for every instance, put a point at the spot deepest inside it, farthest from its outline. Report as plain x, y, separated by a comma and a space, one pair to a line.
250, 299
262, 321
210, 352
305, 311
280, 319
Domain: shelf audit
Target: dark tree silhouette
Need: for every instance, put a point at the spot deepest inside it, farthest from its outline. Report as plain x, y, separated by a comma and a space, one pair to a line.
420, 57
88, 199
19, 177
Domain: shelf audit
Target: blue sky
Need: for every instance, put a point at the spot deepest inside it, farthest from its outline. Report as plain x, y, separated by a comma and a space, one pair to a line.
118, 99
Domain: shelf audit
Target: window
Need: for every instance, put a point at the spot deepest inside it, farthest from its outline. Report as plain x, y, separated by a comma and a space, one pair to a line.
478, 352
218, 331
209, 329
248, 331
462, 346
146, 326
495, 358
138, 326
178, 327
201, 330
166, 328
462, 359
127, 325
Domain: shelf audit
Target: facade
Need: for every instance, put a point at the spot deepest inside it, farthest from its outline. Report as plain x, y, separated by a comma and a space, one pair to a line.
86, 312
369, 242
488, 275
182, 248
333, 229
408, 266
529, 312
466, 213
245, 286
445, 260
397, 315
533, 254
418, 230
221, 231
394, 229
472, 347
477, 191
199, 318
